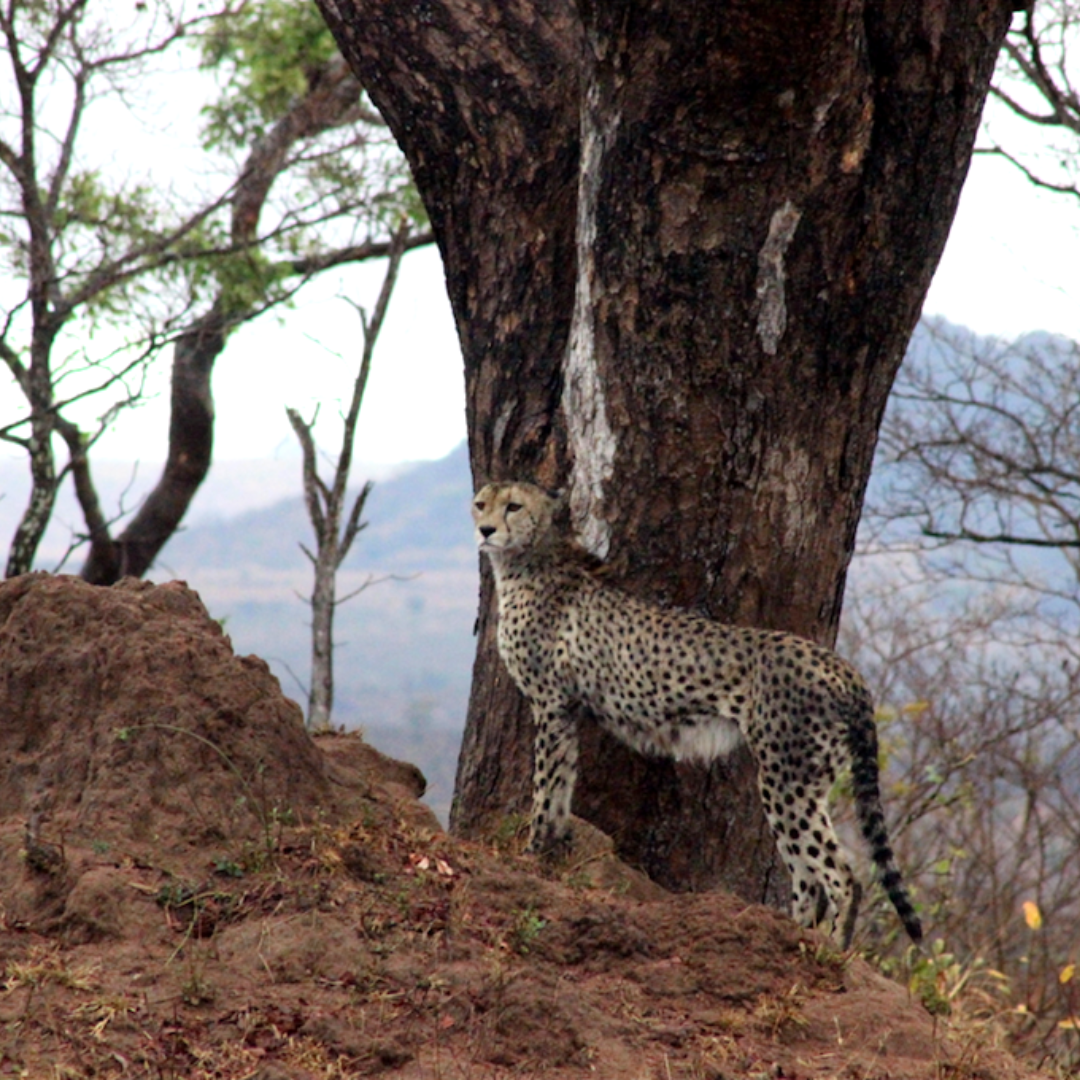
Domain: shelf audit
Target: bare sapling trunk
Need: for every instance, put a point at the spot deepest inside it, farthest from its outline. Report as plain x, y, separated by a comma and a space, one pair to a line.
326, 505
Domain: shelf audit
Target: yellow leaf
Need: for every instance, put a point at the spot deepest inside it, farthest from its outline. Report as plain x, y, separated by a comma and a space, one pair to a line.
1032, 915
1067, 972
1069, 1025
915, 707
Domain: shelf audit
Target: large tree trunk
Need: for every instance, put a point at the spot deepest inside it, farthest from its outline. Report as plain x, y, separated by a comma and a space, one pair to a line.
697, 329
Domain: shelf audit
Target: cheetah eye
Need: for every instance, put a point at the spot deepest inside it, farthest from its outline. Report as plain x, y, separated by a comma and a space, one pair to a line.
479, 505
512, 508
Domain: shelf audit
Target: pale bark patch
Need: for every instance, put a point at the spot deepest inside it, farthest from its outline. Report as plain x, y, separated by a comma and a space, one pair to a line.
592, 441
502, 422
788, 474
772, 310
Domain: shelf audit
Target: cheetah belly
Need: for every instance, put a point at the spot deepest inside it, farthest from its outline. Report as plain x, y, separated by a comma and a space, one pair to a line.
686, 737
641, 704
707, 740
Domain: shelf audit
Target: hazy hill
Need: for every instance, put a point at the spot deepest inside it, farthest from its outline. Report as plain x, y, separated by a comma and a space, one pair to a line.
416, 521
405, 647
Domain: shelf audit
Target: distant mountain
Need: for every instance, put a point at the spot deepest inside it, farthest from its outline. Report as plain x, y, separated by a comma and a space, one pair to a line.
416, 521
231, 488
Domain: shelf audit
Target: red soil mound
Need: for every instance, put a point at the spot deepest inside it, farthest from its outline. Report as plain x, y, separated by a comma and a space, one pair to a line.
193, 887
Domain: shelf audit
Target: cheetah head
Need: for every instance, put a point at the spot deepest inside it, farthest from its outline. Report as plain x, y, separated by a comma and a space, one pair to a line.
512, 516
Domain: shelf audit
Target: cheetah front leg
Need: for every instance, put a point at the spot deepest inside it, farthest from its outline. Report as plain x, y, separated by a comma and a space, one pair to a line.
555, 761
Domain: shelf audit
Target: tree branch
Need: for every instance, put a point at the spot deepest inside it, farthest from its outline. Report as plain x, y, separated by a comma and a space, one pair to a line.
370, 249
97, 525
998, 538
315, 492
371, 335
1034, 178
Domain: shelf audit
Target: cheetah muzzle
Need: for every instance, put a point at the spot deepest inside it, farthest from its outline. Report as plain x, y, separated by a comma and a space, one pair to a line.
671, 683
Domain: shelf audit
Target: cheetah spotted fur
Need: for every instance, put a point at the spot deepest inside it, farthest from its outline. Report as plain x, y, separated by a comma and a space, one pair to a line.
672, 683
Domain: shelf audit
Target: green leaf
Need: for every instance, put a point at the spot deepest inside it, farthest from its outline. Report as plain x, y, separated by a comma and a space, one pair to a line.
268, 55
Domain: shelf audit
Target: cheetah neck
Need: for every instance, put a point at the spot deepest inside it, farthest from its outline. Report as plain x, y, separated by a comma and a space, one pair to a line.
536, 571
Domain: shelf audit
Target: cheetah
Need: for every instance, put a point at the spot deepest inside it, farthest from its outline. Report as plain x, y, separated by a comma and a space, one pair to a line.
671, 683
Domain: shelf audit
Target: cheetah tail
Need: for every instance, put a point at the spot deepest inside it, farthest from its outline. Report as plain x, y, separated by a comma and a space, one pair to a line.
863, 744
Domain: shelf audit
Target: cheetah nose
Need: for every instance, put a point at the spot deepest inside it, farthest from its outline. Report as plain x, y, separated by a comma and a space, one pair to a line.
486, 530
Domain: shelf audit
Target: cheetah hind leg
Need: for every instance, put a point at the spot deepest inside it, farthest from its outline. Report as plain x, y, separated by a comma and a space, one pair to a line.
824, 890
555, 759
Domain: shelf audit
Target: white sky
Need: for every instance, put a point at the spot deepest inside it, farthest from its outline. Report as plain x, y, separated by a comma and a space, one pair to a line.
414, 405
1012, 262
1010, 267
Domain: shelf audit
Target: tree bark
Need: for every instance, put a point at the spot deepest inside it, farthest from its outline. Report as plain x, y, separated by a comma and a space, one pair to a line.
37, 384
685, 245
35, 518
323, 606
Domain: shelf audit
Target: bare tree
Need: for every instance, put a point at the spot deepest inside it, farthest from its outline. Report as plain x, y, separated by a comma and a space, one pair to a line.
326, 504
980, 726
965, 614
981, 446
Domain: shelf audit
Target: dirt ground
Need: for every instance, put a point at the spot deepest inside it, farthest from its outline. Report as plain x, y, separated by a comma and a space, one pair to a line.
192, 887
